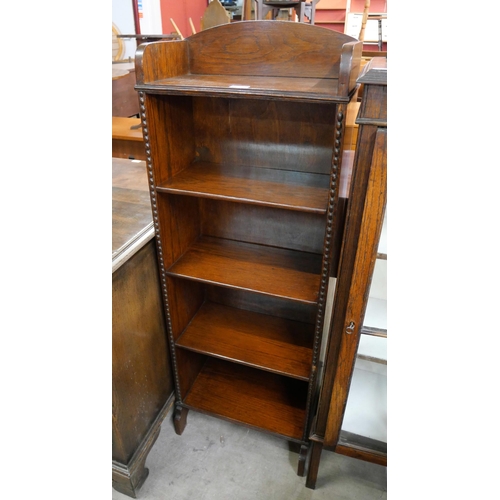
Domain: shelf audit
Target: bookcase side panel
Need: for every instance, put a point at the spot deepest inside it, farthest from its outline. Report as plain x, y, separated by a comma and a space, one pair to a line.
171, 134
185, 297
179, 222
189, 366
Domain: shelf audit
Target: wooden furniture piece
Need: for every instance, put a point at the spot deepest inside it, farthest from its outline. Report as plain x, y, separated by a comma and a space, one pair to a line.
126, 137
243, 125
117, 44
215, 14
247, 10
365, 214
263, 7
366, 20
310, 10
140, 38
346, 16
142, 387
124, 98
351, 130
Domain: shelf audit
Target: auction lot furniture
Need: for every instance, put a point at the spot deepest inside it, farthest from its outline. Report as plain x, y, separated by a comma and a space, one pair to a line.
243, 125
142, 381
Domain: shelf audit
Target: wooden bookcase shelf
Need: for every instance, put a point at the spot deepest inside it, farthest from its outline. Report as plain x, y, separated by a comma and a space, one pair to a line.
260, 186
243, 127
273, 271
244, 395
278, 345
323, 89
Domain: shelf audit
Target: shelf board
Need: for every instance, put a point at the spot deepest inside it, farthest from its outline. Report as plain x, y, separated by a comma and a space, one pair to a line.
304, 88
274, 344
273, 271
256, 398
270, 187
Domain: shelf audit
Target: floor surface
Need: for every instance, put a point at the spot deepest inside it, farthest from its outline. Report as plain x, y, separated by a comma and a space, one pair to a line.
218, 460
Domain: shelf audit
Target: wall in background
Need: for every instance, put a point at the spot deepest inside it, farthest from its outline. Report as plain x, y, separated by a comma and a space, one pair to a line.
180, 12
150, 17
123, 18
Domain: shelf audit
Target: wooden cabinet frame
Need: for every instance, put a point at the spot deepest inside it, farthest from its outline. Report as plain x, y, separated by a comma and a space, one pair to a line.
364, 221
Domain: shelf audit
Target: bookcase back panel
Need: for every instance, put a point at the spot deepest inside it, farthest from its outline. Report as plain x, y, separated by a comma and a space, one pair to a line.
263, 225
261, 133
264, 304
268, 48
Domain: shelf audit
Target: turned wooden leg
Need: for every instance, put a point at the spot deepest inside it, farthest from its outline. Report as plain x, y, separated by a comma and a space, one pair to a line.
302, 460
180, 419
312, 473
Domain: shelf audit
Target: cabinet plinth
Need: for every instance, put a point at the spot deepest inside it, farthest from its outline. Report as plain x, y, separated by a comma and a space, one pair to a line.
243, 126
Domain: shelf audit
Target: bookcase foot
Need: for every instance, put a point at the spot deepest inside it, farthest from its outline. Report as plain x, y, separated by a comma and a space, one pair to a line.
312, 473
180, 419
302, 460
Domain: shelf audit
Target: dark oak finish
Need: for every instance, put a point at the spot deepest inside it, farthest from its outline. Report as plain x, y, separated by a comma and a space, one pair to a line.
142, 385
363, 227
243, 127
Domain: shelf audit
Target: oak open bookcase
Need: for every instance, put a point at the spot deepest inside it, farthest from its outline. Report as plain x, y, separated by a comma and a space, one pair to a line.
243, 126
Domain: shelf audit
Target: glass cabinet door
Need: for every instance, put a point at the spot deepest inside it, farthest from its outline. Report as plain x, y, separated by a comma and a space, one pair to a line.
366, 410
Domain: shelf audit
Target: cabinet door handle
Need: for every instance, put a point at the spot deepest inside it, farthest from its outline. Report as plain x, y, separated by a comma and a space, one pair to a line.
350, 327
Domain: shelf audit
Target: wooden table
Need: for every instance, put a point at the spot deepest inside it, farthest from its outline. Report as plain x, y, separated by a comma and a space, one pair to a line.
142, 387
127, 139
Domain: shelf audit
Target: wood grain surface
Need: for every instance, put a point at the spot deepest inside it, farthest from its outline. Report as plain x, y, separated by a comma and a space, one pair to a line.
274, 344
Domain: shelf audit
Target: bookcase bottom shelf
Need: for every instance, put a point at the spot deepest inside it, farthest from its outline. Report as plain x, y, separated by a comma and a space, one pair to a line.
251, 397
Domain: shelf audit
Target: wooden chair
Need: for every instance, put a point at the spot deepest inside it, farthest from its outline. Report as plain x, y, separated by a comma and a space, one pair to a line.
310, 10
262, 8
366, 9
215, 14
117, 45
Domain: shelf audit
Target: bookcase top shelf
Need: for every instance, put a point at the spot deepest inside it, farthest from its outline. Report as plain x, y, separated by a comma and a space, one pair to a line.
253, 59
